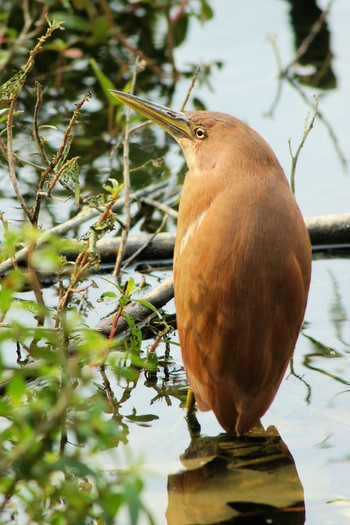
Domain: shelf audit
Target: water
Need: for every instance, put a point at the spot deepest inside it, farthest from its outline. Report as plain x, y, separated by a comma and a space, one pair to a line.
311, 410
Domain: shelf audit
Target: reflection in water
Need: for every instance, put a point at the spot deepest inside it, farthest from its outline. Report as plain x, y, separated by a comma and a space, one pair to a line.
311, 33
252, 479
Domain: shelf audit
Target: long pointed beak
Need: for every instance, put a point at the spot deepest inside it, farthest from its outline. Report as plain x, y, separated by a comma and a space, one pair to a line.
173, 122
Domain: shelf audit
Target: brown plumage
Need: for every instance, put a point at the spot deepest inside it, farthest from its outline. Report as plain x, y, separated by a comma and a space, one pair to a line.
242, 264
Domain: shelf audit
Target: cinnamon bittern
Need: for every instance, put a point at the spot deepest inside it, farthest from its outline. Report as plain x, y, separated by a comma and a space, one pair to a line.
242, 263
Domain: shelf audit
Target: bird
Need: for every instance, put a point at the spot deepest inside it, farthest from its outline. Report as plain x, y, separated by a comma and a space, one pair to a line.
242, 263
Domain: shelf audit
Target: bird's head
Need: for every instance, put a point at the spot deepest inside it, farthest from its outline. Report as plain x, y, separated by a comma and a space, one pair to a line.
208, 139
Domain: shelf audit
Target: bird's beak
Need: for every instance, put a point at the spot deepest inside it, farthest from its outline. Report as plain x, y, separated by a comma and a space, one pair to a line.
173, 122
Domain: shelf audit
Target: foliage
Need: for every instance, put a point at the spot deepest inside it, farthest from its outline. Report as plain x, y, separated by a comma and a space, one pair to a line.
59, 412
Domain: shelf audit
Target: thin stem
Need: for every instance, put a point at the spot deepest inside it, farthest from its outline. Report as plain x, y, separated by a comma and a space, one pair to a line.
37, 139
149, 240
307, 129
193, 81
11, 160
125, 42
160, 206
56, 159
126, 179
59, 173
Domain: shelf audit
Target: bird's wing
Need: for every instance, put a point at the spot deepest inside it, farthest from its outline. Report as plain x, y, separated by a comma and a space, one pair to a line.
244, 302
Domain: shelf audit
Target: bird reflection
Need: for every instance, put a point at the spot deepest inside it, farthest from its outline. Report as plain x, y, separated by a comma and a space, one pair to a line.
236, 480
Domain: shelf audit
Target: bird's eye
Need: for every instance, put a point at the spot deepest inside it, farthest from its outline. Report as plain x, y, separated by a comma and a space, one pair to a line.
200, 133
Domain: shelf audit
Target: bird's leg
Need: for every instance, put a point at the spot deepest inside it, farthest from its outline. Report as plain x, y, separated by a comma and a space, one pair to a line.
193, 426
190, 401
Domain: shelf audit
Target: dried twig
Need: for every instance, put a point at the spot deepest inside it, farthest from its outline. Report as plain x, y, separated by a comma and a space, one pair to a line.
283, 74
67, 137
180, 11
144, 246
25, 34
193, 81
307, 129
11, 160
37, 139
126, 178
160, 206
325, 122
9, 93
125, 42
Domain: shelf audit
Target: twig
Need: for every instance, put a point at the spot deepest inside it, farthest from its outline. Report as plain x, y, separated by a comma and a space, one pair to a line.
11, 160
125, 43
35, 286
80, 269
307, 129
170, 42
126, 178
273, 41
160, 206
59, 173
37, 140
25, 34
10, 91
155, 162
193, 81
283, 74
58, 157
137, 128
142, 248
180, 12
324, 121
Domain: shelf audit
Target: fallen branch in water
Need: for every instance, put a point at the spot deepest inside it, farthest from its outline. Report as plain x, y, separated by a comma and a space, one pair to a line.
84, 216
325, 230
329, 229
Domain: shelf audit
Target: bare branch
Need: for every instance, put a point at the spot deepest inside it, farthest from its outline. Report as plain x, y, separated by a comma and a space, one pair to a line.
11, 160
144, 246
58, 157
307, 129
37, 139
125, 42
160, 206
193, 81
126, 178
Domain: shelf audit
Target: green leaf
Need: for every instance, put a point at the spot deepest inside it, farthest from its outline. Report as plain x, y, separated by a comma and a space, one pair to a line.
16, 389
4, 114
130, 286
104, 82
12, 88
149, 305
